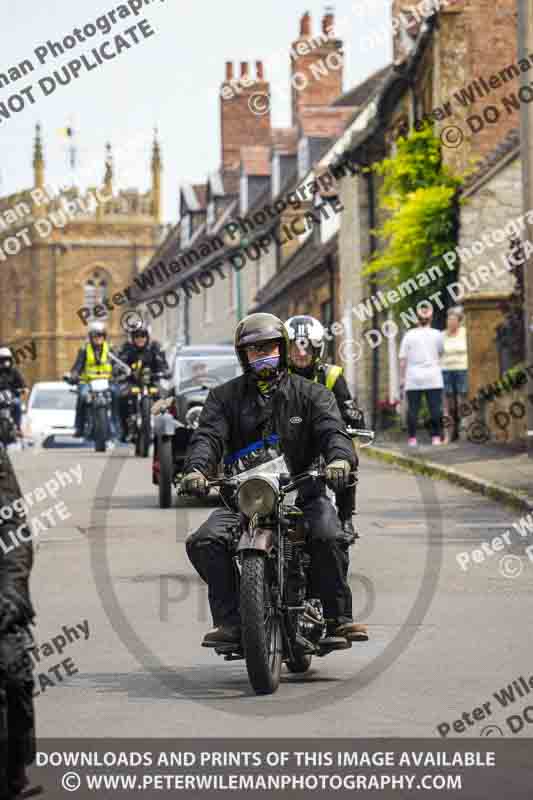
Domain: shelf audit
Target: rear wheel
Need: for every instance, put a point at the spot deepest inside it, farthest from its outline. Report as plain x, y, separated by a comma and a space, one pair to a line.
261, 627
100, 429
166, 469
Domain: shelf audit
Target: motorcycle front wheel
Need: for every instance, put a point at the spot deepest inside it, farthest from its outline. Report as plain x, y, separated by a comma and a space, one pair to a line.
261, 627
100, 429
144, 434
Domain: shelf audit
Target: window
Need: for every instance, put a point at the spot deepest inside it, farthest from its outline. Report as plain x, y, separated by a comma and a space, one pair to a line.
276, 175
303, 157
185, 230
96, 292
244, 194
16, 294
211, 215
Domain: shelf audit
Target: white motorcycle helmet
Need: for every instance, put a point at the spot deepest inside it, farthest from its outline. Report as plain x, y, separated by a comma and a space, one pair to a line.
6, 358
307, 332
97, 329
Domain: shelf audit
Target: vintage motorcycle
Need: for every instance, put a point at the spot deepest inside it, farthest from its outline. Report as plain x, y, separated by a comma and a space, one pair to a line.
98, 417
8, 430
175, 420
281, 621
144, 391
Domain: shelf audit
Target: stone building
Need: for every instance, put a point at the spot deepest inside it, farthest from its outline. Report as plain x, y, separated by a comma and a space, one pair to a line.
448, 68
76, 251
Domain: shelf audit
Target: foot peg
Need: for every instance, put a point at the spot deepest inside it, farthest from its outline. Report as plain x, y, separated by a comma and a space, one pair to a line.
331, 643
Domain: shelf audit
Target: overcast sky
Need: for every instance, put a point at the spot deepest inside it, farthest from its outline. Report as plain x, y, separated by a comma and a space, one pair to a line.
171, 80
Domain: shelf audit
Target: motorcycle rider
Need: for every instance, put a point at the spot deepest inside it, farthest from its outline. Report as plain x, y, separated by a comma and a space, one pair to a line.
306, 349
151, 354
93, 361
11, 378
17, 721
266, 399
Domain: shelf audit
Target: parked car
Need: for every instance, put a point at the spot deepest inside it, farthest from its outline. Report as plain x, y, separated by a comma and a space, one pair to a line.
50, 413
196, 371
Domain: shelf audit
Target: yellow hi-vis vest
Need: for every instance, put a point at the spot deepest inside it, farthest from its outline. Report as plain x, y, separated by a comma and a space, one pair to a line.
332, 372
94, 369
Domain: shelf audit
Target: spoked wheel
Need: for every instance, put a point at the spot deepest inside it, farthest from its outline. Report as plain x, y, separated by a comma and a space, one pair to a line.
100, 429
145, 433
261, 627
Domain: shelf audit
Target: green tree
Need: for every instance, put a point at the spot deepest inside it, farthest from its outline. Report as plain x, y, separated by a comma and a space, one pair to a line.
420, 195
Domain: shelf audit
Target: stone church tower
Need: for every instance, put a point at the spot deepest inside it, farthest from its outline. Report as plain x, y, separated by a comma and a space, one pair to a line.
61, 252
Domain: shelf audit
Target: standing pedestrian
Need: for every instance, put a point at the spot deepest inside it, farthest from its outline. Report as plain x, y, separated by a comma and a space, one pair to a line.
454, 365
420, 374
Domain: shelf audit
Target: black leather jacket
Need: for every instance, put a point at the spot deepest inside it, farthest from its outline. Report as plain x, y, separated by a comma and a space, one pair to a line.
152, 356
304, 415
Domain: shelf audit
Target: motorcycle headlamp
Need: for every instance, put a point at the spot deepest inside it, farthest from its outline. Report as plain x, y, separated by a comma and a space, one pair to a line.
256, 496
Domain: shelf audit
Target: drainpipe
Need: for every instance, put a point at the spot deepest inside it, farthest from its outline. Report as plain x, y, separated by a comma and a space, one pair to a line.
332, 299
373, 289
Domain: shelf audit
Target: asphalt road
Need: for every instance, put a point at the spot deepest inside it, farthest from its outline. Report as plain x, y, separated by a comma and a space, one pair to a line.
441, 640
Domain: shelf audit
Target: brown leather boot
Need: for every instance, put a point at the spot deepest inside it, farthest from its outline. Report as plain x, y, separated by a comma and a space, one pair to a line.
352, 631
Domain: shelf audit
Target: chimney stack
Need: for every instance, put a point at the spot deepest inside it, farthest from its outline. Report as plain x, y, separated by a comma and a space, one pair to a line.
328, 22
316, 67
305, 26
239, 125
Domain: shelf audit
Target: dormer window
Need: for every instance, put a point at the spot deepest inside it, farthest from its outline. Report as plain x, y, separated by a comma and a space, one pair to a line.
185, 230
303, 157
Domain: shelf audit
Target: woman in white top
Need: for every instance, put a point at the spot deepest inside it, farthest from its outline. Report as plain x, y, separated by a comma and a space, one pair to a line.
454, 365
420, 374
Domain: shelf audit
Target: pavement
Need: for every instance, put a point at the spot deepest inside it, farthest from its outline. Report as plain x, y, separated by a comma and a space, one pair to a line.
124, 614
502, 471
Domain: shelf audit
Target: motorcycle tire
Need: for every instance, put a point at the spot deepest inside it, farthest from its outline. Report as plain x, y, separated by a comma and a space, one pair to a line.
261, 635
144, 435
100, 429
166, 473
300, 663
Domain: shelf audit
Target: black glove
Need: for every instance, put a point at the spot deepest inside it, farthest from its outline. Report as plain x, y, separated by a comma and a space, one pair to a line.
338, 475
195, 483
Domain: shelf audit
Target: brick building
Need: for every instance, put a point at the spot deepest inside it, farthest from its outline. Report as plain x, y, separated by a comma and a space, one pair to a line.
71, 256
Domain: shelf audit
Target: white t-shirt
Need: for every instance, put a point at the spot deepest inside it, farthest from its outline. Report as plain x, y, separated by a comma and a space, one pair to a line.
422, 348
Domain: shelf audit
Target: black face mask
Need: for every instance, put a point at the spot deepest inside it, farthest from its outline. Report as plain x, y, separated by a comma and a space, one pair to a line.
5, 366
305, 372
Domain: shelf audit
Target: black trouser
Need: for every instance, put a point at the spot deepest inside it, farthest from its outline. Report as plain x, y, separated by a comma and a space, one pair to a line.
209, 550
434, 401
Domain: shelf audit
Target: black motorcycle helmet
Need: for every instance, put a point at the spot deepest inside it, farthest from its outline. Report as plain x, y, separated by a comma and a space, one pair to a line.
261, 328
142, 330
